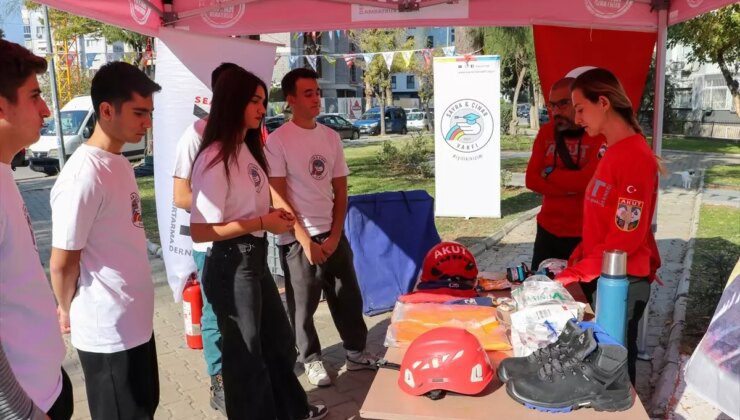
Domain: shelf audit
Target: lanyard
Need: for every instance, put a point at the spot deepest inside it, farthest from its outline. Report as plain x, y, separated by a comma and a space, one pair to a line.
578, 151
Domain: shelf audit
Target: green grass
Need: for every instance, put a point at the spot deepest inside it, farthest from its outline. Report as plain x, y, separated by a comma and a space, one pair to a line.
716, 250
515, 164
368, 177
516, 143
148, 207
694, 144
723, 176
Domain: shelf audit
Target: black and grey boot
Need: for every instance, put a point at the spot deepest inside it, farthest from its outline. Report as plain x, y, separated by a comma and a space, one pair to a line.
513, 367
217, 394
595, 375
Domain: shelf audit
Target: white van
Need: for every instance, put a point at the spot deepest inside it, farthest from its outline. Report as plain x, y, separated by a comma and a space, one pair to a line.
78, 123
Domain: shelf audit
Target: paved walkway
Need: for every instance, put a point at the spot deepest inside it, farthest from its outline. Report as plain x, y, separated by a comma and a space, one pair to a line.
184, 383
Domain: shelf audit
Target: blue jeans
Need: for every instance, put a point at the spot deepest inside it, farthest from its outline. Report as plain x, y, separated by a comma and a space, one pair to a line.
209, 326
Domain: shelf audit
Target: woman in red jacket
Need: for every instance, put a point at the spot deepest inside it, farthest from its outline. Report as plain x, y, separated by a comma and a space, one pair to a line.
619, 200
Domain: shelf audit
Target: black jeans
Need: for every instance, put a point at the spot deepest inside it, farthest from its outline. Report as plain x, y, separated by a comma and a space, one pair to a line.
638, 295
547, 245
122, 385
303, 285
63, 407
258, 346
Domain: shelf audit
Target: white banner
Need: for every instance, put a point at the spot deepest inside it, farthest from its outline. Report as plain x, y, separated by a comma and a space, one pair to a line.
467, 139
184, 98
456, 10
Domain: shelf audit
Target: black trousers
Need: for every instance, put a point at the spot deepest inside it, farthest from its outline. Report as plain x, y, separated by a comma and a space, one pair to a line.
258, 346
547, 245
303, 285
638, 295
122, 385
63, 407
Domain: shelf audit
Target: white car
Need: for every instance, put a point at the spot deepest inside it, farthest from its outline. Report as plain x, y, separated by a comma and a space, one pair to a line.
78, 123
416, 121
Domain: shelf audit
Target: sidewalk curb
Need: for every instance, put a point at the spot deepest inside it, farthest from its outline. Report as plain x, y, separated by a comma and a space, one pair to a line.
669, 365
494, 239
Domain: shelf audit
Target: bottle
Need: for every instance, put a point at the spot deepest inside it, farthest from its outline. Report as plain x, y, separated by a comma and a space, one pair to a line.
611, 295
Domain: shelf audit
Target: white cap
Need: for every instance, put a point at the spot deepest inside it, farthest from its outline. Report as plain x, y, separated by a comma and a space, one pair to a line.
579, 71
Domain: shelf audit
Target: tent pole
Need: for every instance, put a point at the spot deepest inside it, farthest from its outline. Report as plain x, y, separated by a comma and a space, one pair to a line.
61, 151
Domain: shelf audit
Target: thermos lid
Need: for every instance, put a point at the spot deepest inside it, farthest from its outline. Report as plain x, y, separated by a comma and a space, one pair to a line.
614, 263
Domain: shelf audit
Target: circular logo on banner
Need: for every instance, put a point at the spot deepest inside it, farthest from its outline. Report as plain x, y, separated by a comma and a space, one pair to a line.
224, 17
694, 3
254, 173
140, 11
317, 166
467, 125
608, 9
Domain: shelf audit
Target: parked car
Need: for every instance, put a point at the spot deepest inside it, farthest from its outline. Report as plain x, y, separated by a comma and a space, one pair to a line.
78, 123
522, 110
339, 124
416, 121
395, 121
19, 160
272, 123
544, 116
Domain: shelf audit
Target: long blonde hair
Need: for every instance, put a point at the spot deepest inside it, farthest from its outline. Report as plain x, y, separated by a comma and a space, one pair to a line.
601, 82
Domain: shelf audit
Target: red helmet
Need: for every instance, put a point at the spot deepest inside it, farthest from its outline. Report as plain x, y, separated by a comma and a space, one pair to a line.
449, 260
445, 359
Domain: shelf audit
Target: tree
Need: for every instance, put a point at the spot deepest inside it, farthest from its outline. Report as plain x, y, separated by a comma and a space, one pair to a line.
713, 38
377, 76
425, 74
468, 39
516, 48
647, 103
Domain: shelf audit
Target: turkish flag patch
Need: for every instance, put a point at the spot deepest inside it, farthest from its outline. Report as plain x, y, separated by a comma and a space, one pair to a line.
628, 214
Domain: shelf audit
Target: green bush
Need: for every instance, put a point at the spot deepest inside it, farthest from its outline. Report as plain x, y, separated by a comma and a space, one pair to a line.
506, 113
415, 157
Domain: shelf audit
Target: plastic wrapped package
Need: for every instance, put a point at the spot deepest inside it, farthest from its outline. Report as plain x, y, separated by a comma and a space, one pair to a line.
410, 320
540, 290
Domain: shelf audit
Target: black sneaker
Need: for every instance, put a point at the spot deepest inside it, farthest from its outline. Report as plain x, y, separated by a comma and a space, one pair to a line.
594, 376
513, 367
217, 394
316, 412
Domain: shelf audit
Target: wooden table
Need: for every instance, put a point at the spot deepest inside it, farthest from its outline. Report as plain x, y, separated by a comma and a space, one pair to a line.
385, 400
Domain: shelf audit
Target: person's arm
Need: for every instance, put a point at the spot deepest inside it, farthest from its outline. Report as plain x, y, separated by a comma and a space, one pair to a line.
209, 232
636, 182
533, 178
15, 404
279, 190
339, 211
182, 193
64, 268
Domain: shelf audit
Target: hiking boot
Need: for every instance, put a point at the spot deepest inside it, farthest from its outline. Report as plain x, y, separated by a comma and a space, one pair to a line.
217, 394
359, 360
316, 412
594, 375
316, 373
514, 367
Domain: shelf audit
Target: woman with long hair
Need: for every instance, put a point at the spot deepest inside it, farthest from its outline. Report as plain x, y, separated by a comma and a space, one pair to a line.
231, 207
619, 200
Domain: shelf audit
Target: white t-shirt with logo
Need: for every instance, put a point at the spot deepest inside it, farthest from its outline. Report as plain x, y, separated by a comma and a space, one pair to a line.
95, 207
28, 322
187, 149
217, 199
309, 160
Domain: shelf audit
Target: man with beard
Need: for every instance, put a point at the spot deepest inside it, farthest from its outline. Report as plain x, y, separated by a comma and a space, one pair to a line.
563, 161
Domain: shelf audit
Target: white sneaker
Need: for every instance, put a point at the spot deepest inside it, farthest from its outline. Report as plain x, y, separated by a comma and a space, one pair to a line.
316, 412
359, 360
316, 373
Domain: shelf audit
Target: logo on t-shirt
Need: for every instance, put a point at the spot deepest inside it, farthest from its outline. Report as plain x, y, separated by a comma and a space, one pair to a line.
256, 175
317, 167
602, 151
599, 191
628, 214
30, 227
136, 217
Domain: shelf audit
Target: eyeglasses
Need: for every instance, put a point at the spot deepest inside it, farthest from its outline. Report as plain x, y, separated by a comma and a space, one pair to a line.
561, 104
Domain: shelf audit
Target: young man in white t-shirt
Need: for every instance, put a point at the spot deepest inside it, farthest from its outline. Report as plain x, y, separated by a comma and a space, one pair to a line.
185, 153
308, 175
32, 382
99, 265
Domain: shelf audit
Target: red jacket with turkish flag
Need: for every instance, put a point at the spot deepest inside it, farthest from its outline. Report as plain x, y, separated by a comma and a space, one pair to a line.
618, 212
562, 190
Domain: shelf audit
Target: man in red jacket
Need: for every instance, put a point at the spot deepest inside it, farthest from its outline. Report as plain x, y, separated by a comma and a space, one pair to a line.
563, 161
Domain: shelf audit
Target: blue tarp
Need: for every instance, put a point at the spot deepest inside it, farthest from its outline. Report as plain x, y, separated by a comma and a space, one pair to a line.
390, 233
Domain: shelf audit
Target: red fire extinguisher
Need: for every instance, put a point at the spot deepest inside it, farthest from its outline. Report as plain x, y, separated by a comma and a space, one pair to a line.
192, 308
